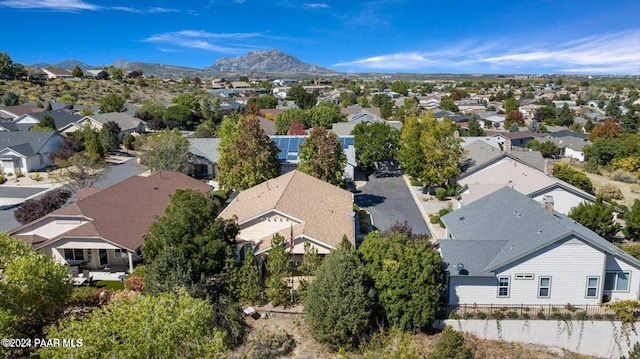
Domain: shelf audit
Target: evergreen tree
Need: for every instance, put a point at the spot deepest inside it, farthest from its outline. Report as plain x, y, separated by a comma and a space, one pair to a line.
112, 103
278, 261
339, 302
564, 117
451, 346
311, 261
597, 216
251, 291
77, 72
632, 222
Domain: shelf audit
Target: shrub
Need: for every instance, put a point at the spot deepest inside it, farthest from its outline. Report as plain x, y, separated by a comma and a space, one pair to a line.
482, 315
623, 176
541, 315
135, 283
19, 174
264, 343
415, 182
129, 141
35, 177
610, 191
441, 193
364, 222
2, 179
526, 316
635, 188
85, 297
451, 346
512, 315
582, 316
140, 271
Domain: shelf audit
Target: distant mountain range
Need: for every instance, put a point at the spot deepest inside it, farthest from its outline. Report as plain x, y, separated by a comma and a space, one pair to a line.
256, 63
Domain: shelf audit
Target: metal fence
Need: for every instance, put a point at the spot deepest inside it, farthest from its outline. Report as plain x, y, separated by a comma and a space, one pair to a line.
526, 311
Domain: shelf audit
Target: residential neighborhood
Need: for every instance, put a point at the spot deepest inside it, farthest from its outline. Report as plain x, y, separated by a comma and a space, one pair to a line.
361, 203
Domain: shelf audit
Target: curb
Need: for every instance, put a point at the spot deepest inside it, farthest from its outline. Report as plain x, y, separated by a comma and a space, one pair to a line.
425, 215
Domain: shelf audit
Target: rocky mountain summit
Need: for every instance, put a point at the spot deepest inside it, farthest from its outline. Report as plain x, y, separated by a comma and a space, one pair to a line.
266, 61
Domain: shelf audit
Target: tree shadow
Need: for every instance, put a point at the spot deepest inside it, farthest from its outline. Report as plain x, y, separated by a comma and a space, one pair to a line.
368, 200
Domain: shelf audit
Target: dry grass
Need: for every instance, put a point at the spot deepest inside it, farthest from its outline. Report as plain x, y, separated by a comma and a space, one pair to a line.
625, 188
308, 348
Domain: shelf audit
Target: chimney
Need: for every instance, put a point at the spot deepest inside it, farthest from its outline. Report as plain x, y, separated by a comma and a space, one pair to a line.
547, 203
507, 146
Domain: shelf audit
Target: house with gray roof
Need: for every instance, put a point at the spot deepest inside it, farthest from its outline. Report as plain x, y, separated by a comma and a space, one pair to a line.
362, 116
204, 156
127, 123
27, 151
60, 117
507, 249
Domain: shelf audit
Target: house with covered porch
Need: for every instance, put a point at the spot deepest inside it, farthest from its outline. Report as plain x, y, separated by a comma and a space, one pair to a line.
102, 230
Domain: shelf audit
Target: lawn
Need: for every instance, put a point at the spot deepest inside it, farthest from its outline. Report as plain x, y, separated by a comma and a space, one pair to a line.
109, 284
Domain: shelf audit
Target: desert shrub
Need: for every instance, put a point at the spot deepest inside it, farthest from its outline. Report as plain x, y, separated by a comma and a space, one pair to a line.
2, 179
19, 174
135, 283
451, 346
36, 177
623, 176
610, 191
441, 193
390, 343
85, 297
635, 188
264, 343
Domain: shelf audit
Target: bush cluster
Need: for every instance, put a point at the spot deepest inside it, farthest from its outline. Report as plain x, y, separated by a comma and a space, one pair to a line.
264, 343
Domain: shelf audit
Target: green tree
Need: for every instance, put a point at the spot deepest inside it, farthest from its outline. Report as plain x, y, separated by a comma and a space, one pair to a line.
547, 149
302, 98
475, 129
511, 104
115, 73
408, 277
447, 104
207, 129
631, 228
283, 120
167, 150
375, 142
597, 216
10, 69
565, 116
91, 141
77, 72
339, 302
33, 288
179, 113
10, 98
247, 156
265, 101
46, 123
278, 262
251, 288
150, 110
566, 173
202, 242
324, 115
112, 103
321, 156
384, 102
187, 99
545, 113
451, 346
429, 150
108, 136
311, 261
133, 327
400, 86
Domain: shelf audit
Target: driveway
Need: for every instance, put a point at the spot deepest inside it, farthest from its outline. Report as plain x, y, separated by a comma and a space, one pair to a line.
388, 199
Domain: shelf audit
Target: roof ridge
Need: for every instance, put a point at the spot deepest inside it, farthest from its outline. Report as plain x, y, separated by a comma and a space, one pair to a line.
288, 183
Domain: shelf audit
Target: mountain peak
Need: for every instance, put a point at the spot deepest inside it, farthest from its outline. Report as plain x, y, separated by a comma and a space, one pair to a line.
272, 60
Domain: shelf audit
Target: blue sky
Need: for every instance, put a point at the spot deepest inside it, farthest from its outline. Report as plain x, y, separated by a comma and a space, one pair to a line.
488, 36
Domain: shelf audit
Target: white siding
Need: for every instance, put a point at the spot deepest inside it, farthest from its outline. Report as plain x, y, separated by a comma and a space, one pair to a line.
52, 227
617, 264
563, 201
568, 263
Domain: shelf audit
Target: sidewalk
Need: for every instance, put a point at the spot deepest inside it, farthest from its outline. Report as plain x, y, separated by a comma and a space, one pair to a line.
428, 207
18, 190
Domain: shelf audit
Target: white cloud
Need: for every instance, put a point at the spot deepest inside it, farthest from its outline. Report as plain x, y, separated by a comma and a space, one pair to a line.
58, 5
615, 53
316, 5
202, 40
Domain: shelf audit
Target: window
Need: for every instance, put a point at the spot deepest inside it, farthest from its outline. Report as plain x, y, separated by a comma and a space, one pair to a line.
592, 287
503, 287
524, 276
120, 253
617, 281
74, 254
544, 287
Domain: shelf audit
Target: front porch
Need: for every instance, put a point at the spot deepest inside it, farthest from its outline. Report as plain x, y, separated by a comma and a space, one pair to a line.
100, 258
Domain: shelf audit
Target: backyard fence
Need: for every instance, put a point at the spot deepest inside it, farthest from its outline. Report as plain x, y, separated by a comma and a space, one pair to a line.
527, 311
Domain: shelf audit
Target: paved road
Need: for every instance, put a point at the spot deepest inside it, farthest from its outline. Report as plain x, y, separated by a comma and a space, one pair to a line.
19, 192
388, 199
117, 174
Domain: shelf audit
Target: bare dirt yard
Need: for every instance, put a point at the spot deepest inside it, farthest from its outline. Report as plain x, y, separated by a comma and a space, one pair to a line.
306, 347
625, 188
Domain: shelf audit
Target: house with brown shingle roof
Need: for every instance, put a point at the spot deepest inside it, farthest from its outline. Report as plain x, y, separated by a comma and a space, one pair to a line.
104, 228
294, 204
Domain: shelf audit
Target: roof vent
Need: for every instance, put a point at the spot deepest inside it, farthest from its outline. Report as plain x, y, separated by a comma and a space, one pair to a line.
155, 187
539, 231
